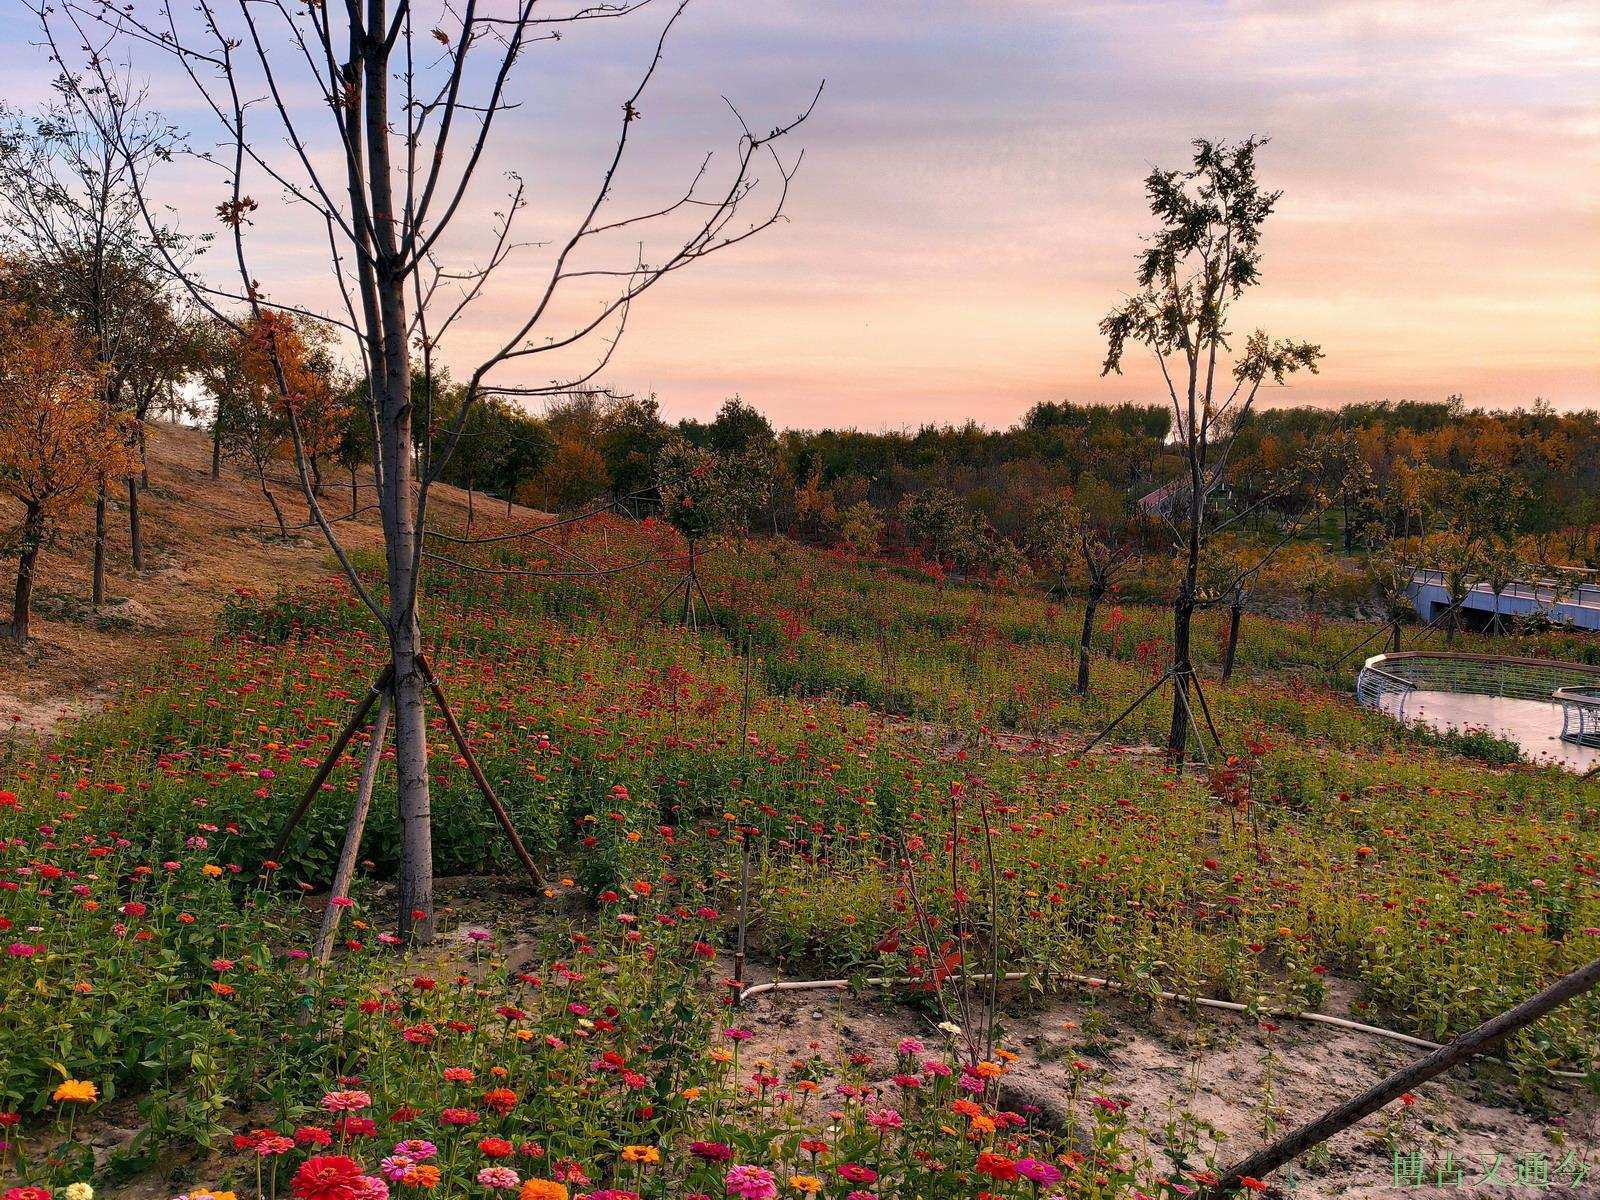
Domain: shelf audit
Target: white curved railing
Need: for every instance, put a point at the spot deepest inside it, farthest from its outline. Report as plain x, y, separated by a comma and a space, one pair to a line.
1580, 714
1374, 683
1574, 687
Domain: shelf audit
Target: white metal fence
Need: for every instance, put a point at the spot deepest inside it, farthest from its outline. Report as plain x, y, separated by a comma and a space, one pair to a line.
1573, 687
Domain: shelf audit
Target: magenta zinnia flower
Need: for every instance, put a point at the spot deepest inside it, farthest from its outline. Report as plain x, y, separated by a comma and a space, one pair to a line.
1042, 1173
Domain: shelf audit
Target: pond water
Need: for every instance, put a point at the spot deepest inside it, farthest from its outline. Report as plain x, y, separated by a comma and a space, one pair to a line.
1535, 725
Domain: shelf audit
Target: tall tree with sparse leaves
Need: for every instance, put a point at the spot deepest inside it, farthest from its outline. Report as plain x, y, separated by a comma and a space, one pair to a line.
1203, 256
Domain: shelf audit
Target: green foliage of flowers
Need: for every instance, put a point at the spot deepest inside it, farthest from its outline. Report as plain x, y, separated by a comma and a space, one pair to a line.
896, 759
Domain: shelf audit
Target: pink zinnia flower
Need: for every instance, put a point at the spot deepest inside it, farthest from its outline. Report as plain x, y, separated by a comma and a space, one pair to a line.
750, 1183
346, 1101
500, 1178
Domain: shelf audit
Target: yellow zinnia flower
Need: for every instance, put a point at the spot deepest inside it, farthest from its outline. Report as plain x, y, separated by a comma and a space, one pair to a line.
76, 1091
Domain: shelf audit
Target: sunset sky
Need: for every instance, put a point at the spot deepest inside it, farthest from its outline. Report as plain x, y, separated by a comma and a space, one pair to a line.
970, 202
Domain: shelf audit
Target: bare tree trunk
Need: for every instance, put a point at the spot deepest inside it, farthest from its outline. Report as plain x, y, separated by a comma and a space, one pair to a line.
98, 570
1235, 615
1178, 730
135, 529
261, 475
1183, 616
22, 598
216, 442
1183, 604
1084, 637
417, 921
416, 917
97, 574
1394, 641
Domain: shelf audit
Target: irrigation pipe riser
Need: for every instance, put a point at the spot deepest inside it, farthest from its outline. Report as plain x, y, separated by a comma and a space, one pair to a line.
1094, 981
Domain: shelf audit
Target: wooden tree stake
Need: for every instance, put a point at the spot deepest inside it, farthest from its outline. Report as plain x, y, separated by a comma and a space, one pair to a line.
1485, 1037
478, 776
1124, 714
380, 686
350, 851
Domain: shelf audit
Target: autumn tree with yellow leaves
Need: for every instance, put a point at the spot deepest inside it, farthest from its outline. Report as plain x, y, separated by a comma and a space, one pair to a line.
58, 438
273, 376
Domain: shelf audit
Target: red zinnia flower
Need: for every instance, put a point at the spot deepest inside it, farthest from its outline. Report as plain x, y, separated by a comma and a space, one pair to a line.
328, 1177
996, 1166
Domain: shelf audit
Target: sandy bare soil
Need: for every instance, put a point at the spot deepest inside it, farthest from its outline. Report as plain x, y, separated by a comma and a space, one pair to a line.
204, 539
1230, 1076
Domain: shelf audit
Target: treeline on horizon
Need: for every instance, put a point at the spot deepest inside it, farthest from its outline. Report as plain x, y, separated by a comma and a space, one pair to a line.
1423, 462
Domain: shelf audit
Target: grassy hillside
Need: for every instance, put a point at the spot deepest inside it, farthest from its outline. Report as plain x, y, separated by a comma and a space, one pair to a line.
904, 782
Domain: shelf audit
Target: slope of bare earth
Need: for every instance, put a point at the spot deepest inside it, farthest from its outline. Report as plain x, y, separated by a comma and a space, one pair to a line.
204, 538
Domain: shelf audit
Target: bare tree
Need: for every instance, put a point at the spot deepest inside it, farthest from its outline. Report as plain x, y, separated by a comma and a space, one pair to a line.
1205, 252
404, 102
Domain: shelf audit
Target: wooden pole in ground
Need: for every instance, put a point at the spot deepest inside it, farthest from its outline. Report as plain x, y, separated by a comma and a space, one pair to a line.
1123, 715
478, 777
1485, 1037
744, 907
351, 850
744, 837
1205, 709
380, 686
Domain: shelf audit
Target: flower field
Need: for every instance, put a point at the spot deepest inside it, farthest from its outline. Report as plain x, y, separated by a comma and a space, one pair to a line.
891, 760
